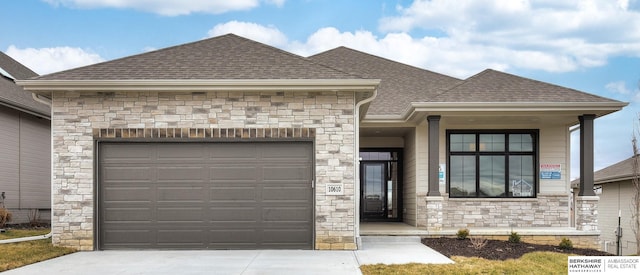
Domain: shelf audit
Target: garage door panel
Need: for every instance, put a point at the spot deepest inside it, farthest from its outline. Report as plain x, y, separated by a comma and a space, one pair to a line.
130, 237
242, 239
184, 152
180, 237
278, 235
283, 151
286, 194
180, 214
289, 173
220, 173
135, 152
127, 194
190, 173
183, 194
206, 196
231, 151
233, 194
129, 214
233, 214
129, 173
285, 214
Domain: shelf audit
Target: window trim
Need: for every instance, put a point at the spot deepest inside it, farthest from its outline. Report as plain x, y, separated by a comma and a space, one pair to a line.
477, 153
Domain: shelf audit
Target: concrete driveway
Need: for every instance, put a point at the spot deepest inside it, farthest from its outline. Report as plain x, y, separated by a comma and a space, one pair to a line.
237, 261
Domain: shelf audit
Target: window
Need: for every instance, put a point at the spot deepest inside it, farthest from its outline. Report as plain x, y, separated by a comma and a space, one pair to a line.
492, 164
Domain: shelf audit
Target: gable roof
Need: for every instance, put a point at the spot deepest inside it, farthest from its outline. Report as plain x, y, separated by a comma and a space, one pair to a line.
12, 95
224, 63
493, 86
620, 171
224, 57
400, 85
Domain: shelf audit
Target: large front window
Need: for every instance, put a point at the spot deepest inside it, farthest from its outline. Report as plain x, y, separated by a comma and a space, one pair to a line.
492, 164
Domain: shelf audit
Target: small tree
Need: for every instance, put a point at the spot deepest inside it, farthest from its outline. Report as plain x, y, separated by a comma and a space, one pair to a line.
635, 180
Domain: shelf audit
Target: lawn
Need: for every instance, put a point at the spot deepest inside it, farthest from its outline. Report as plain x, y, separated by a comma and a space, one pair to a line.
13, 255
530, 263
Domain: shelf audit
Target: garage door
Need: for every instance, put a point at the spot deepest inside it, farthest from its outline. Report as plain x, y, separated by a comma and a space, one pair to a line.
205, 195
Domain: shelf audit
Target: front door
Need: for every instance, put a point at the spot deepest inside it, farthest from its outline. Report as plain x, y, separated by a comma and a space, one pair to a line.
380, 188
374, 203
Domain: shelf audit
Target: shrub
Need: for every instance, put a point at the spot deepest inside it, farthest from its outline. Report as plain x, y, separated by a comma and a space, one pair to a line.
34, 217
5, 216
514, 237
565, 244
478, 243
462, 234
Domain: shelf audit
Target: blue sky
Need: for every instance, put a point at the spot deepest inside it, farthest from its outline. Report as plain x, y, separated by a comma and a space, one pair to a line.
589, 45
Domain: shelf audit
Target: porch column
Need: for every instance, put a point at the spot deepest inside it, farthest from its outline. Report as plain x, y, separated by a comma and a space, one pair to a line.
434, 151
586, 155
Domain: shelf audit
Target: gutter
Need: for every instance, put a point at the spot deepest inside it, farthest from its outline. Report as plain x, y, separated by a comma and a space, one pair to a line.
356, 166
48, 86
26, 239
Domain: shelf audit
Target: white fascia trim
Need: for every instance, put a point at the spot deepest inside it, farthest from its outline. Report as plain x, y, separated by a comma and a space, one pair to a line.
465, 107
515, 106
47, 86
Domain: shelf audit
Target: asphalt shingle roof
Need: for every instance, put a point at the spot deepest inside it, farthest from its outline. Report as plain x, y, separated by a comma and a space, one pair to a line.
16, 69
223, 57
494, 86
13, 95
400, 85
616, 172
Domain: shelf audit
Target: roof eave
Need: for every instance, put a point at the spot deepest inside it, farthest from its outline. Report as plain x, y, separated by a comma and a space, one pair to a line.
46, 87
518, 106
415, 109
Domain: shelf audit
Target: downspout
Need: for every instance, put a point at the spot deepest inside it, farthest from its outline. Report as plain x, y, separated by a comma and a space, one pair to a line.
356, 165
42, 99
26, 239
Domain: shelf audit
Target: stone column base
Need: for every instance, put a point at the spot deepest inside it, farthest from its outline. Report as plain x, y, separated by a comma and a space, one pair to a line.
434, 213
587, 213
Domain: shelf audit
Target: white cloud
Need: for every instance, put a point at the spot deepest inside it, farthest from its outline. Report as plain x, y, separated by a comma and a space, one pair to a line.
555, 36
169, 7
619, 87
49, 60
265, 34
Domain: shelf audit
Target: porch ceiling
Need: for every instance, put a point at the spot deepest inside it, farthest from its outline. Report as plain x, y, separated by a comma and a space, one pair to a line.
384, 131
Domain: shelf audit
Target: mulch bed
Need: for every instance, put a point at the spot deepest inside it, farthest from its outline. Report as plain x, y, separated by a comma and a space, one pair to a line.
498, 250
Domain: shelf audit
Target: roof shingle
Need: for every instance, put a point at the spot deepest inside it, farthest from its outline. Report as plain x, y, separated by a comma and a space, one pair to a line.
493, 86
13, 95
223, 57
400, 85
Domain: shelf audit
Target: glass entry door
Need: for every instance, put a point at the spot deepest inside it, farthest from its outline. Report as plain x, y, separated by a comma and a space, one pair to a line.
374, 202
380, 189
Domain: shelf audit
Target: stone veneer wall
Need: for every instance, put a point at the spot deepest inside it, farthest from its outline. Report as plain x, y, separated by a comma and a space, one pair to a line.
543, 211
79, 118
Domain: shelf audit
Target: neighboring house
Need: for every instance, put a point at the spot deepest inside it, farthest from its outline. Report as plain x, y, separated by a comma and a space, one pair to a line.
615, 189
227, 143
25, 147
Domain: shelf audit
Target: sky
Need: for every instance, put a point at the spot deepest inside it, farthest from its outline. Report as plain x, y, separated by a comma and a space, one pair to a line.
588, 45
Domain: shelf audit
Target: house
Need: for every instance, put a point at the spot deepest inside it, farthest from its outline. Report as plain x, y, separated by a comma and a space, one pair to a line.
25, 146
227, 143
614, 186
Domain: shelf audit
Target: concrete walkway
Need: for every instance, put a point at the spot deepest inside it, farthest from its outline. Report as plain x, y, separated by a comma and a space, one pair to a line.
236, 261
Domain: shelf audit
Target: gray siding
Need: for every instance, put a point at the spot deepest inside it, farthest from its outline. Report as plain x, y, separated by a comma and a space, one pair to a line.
9, 150
616, 196
25, 165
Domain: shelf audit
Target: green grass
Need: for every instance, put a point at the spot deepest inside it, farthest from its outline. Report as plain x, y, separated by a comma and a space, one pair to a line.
19, 233
530, 263
13, 255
